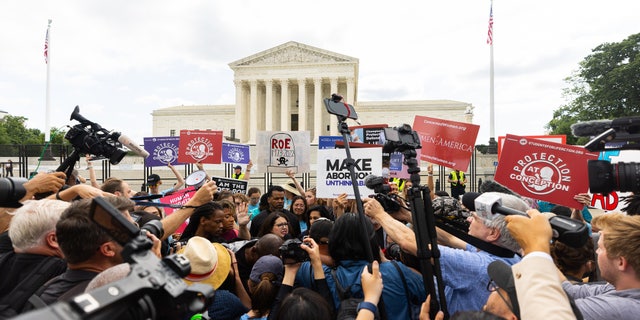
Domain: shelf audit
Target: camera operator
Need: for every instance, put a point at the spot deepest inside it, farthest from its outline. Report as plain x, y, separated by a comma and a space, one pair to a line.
78, 237
464, 267
36, 256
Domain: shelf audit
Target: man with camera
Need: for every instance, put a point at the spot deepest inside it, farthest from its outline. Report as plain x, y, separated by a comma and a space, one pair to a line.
464, 267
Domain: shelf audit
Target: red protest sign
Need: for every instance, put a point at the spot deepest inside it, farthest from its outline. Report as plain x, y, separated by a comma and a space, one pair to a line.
544, 170
446, 143
200, 146
178, 198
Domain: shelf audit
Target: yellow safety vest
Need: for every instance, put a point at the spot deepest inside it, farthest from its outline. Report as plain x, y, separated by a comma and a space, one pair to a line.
455, 177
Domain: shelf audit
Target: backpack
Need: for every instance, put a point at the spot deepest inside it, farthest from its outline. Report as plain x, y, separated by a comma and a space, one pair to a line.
348, 309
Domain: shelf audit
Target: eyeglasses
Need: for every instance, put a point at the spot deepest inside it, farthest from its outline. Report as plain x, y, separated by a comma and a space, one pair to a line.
282, 225
492, 286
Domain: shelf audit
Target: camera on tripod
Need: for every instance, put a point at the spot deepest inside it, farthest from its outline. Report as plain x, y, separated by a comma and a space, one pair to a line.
619, 134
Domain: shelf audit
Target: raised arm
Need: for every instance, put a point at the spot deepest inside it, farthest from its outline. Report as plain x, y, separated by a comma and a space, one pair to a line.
247, 173
173, 221
292, 174
180, 182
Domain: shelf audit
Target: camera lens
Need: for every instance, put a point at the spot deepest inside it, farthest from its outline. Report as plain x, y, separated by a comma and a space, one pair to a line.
605, 177
628, 176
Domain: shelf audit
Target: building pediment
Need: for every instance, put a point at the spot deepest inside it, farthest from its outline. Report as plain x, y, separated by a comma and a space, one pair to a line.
292, 53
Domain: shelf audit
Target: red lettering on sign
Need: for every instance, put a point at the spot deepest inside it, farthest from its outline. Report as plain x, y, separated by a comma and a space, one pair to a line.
281, 144
608, 203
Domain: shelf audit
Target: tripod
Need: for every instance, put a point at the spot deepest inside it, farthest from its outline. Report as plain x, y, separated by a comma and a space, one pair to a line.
424, 225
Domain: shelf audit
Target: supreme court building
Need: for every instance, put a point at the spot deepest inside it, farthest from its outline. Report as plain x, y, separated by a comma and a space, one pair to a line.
282, 89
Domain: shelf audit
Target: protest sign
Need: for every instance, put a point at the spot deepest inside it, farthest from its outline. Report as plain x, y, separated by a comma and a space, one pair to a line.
279, 151
178, 198
334, 177
200, 146
446, 143
544, 170
235, 153
233, 185
162, 151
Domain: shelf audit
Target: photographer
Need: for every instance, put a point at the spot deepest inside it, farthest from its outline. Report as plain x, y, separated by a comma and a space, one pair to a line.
464, 267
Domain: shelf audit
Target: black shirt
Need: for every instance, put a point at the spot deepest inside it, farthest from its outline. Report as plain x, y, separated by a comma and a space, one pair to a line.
256, 223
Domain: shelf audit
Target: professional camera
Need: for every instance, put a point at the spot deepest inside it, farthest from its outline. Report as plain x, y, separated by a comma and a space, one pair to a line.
400, 139
154, 288
89, 137
291, 252
618, 134
11, 192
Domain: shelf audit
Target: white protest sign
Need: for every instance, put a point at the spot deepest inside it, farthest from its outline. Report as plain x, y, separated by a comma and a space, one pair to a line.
334, 177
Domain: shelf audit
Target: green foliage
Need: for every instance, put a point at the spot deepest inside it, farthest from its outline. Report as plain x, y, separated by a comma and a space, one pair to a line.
604, 87
13, 131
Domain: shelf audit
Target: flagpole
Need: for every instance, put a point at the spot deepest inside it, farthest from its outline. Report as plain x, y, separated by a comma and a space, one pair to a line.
493, 145
47, 130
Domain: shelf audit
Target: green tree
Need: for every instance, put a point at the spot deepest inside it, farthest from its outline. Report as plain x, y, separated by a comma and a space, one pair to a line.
605, 86
14, 131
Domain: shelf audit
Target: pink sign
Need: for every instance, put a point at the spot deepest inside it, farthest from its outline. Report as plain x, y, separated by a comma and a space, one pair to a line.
446, 143
200, 146
544, 170
180, 197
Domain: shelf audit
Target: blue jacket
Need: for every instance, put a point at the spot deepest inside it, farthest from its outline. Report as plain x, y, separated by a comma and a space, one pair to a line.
393, 294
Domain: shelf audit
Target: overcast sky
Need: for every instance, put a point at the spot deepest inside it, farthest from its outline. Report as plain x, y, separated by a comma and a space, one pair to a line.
119, 60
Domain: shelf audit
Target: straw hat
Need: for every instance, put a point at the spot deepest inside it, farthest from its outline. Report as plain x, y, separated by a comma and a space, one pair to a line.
291, 188
210, 262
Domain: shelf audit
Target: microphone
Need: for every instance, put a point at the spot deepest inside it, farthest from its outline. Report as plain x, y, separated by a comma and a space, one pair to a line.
487, 204
590, 128
132, 146
566, 230
377, 183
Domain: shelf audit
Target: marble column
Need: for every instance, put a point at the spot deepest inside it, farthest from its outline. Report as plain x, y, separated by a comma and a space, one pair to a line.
302, 104
351, 92
253, 110
239, 126
268, 104
317, 109
332, 119
285, 117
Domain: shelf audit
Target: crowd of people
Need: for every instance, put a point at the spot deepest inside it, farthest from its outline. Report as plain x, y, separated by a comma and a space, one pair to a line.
286, 254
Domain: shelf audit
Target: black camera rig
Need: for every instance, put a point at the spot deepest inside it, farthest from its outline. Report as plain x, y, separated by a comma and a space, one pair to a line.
154, 288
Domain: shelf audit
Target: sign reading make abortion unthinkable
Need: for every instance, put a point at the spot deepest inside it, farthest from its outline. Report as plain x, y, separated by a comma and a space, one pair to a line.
200, 146
544, 170
162, 151
446, 143
334, 177
282, 150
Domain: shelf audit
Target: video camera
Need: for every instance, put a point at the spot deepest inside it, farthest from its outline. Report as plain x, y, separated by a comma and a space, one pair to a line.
89, 137
154, 288
291, 252
619, 134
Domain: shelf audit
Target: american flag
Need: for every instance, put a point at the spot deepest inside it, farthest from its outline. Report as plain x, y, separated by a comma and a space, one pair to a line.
490, 32
46, 48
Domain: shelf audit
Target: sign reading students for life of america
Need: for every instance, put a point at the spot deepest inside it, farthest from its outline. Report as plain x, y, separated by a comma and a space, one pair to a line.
200, 146
334, 177
162, 151
282, 150
446, 143
544, 170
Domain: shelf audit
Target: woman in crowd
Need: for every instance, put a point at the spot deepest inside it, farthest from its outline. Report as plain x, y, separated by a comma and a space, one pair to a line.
349, 251
299, 209
276, 223
264, 284
229, 226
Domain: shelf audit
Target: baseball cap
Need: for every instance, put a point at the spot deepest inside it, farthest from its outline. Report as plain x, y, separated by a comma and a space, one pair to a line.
501, 274
153, 179
237, 167
267, 264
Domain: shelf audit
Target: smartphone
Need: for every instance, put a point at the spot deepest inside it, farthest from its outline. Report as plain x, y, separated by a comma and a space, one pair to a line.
112, 221
340, 108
